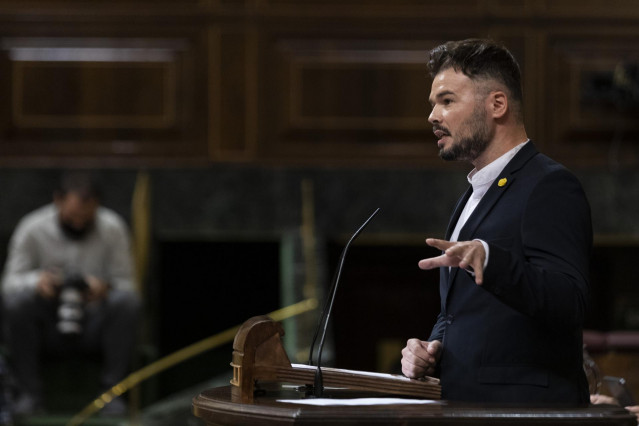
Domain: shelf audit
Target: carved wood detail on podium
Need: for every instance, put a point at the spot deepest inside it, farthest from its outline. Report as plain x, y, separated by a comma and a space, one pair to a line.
258, 354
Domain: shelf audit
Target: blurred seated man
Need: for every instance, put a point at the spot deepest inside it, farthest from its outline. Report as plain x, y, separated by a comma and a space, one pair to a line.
595, 383
606, 399
68, 286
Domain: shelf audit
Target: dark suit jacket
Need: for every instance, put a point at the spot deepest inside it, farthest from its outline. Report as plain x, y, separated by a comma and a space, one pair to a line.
518, 337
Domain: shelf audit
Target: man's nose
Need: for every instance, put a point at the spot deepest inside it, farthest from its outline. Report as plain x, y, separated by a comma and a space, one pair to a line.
434, 116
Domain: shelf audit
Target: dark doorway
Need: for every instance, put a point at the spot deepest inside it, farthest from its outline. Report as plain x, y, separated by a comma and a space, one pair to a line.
207, 287
383, 299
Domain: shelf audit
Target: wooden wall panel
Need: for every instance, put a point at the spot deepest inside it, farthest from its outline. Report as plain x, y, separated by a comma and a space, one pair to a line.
108, 98
371, 8
509, 8
592, 97
346, 99
233, 95
580, 9
283, 81
82, 94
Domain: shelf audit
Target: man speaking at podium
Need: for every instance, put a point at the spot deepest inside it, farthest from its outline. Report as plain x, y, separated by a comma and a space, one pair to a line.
514, 263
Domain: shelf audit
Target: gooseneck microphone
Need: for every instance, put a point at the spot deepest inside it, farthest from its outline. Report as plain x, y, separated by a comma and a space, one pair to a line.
318, 385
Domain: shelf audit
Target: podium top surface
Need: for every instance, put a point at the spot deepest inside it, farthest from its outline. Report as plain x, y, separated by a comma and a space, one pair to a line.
215, 407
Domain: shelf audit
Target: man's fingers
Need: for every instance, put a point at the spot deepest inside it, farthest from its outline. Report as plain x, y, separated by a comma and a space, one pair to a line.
416, 350
440, 244
470, 255
434, 347
417, 360
47, 291
412, 366
420, 352
419, 357
478, 267
474, 258
465, 254
436, 262
411, 371
453, 255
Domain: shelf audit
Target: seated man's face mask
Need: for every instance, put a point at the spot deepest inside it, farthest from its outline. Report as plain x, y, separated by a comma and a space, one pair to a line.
76, 215
73, 232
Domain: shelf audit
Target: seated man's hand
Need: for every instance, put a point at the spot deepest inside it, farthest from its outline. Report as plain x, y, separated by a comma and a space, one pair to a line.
419, 358
49, 284
634, 409
98, 289
603, 399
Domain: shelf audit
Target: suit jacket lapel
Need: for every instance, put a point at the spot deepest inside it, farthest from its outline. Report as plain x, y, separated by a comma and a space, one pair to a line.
496, 190
447, 275
485, 205
458, 211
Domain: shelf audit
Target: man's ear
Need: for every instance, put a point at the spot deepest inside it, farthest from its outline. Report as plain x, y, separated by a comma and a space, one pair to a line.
498, 103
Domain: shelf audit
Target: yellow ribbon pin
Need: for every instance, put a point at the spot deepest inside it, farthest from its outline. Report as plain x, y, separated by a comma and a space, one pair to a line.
502, 182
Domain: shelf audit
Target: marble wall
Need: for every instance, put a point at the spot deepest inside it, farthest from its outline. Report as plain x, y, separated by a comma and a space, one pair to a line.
226, 203
246, 200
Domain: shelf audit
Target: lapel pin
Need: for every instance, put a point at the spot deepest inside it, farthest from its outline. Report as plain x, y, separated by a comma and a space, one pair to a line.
502, 182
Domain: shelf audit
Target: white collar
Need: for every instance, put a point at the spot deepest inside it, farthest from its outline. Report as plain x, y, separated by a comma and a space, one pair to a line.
482, 179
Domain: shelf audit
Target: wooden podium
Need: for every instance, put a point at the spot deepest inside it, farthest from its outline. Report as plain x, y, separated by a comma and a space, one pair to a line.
258, 356
216, 408
263, 378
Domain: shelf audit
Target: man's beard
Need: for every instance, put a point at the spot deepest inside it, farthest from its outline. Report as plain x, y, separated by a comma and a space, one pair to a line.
74, 233
468, 148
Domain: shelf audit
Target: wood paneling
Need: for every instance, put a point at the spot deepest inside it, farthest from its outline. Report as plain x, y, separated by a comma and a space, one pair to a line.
102, 97
592, 96
347, 97
290, 82
373, 8
599, 9
233, 95
83, 94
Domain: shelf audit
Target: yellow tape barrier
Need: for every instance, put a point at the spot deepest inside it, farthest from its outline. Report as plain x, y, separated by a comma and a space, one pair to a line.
183, 354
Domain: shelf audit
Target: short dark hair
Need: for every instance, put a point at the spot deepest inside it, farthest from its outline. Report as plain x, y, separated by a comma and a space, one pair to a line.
85, 184
479, 59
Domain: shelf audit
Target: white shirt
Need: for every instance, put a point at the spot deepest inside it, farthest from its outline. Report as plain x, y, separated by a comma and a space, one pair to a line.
481, 180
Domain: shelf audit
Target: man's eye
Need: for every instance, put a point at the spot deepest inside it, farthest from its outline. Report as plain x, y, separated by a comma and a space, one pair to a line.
447, 101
